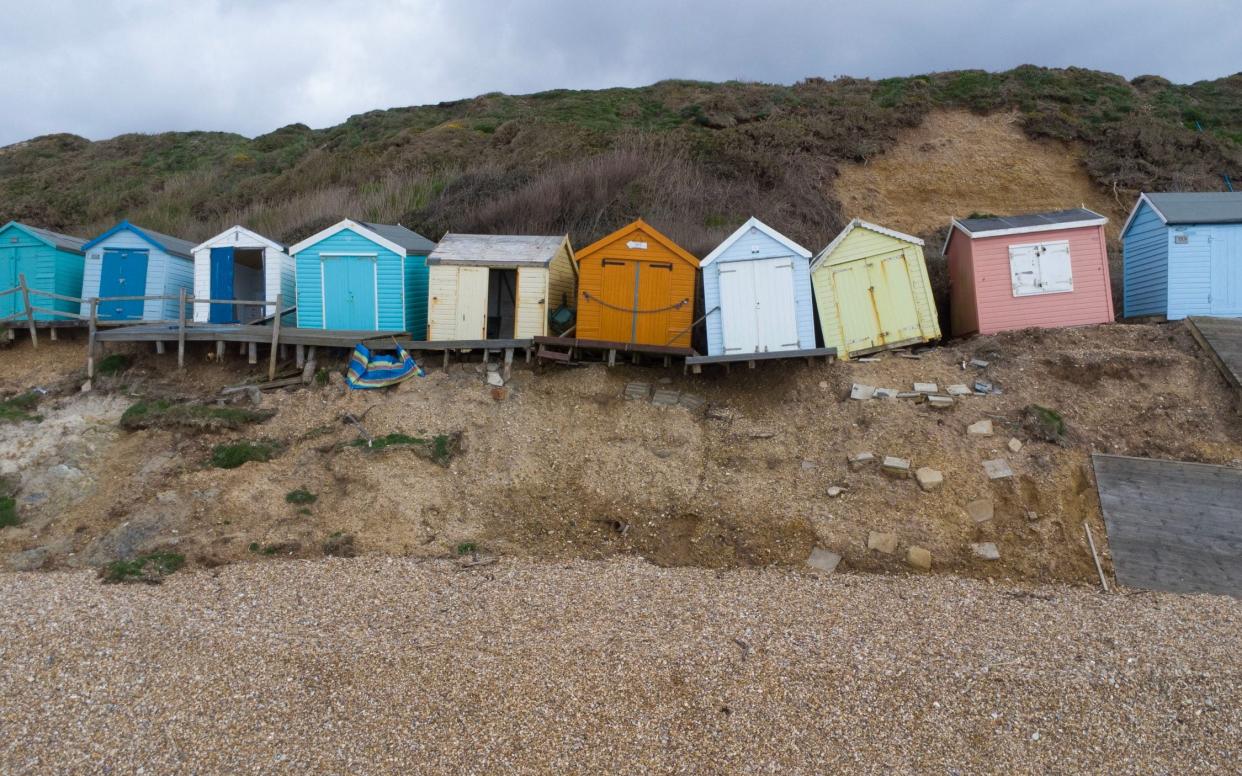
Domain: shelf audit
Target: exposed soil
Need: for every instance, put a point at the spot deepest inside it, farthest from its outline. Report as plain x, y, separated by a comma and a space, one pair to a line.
565, 467
957, 163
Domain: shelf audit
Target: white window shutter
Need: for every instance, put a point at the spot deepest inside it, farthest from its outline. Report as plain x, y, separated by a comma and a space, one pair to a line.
1024, 269
1055, 273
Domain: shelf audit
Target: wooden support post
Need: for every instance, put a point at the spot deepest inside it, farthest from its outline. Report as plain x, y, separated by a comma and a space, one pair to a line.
92, 327
241, 349
527, 354
271, 363
52, 333
612, 357
159, 347
181, 330
446, 358
508, 363
284, 352
668, 361
697, 369
299, 355
34, 336
219, 350
252, 353
750, 364
633, 358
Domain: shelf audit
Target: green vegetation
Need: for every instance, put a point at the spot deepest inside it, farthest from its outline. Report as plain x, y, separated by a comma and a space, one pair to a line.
696, 157
1043, 423
301, 496
8, 511
440, 449
19, 408
112, 364
467, 548
234, 454
150, 569
158, 413
340, 545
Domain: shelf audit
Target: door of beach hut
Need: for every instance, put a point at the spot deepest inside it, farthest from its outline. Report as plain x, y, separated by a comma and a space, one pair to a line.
652, 313
775, 306
859, 321
617, 297
1226, 293
10, 304
123, 273
349, 302
737, 308
890, 279
472, 303
222, 286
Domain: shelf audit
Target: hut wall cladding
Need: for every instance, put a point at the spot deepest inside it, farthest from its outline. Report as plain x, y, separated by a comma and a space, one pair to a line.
166, 275
390, 279
277, 278
46, 267
860, 245
562, 282
990, 286
667, 275
1146, 267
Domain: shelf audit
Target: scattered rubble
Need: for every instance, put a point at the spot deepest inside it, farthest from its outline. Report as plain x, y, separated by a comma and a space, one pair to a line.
919, 558
997, 469
985, 550
958, 389
1014, 445
835, 490
882, 542
926, 388
941, 402
860, 392
639, 391
981, 511
823, 560
896, 467
980, 428
859, 460
929, 479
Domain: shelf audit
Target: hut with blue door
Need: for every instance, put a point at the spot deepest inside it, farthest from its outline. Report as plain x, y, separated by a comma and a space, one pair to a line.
1183, 255
757, 293
358, 276
50, 261
244, 265
131, 261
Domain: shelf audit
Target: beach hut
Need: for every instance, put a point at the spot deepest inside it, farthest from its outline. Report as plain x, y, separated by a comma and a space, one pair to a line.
497, 286
1041, 269
1183, 255
872, 291
131, 261
49, 261
241, 264
363, 277
757, 293
636, 286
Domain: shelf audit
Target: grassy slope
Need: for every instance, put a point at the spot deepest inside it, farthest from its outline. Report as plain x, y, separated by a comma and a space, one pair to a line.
695, 158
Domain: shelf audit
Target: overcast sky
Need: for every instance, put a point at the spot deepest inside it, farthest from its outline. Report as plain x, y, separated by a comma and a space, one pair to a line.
99, 68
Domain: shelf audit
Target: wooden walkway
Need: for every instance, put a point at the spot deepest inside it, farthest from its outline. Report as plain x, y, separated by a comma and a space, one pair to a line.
695, 363
1172, 525
1221, 339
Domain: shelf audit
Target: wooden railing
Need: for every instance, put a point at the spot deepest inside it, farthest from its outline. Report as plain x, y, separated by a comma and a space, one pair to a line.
185, 302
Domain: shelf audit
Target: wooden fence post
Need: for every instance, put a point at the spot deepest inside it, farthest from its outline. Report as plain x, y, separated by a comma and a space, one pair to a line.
181, 331
34, 336
92, 327
271, 363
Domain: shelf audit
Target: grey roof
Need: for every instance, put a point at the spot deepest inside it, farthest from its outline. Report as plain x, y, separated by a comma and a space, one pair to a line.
62, 241
413, 242
1198, 207
174, 245
497, 250
1028, 221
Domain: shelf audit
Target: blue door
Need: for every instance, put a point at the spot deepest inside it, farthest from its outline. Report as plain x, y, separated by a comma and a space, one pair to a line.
222, 285
124, 273
10, 304
349, 292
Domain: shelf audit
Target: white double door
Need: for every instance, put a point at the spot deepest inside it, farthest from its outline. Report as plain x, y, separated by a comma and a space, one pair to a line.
757, 306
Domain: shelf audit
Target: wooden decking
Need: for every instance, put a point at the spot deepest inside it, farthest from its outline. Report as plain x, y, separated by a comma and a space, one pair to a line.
1172, 525
694, 363
217, 332
1221, 339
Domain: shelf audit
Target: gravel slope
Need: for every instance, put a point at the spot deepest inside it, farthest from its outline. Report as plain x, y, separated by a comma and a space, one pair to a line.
402, 666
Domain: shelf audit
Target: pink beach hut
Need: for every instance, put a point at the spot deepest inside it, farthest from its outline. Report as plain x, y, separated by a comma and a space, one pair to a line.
1042, 269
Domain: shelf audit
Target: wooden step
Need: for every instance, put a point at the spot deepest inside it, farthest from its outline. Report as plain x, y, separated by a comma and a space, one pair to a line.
553, 355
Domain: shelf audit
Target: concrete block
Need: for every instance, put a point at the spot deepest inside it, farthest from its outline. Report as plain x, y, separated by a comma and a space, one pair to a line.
638, 391
664, 397
926, 388
985, 550
823, 560
1015, 445
861, 392
919, 558
859, 460
981, 511
997, 469
940, 402
885, 393
929, 479
882, 542
896, 467
980, 428
958, 389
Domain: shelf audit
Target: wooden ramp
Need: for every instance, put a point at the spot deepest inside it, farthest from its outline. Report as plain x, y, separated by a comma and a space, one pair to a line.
1172, 525
1221, 339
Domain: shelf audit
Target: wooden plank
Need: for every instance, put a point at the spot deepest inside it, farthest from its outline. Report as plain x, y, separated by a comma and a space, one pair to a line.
271, 361
181, 330
489, 344
34, 334
1172, 525
751, 357
92, 334
623, 347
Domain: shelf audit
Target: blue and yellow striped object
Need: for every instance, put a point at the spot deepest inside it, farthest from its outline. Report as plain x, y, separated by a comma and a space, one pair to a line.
371, 370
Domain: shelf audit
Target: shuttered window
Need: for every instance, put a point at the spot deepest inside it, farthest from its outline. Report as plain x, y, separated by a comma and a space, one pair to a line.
1041, 268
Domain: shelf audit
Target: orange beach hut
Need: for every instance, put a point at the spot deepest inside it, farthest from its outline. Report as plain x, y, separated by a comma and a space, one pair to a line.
636, 286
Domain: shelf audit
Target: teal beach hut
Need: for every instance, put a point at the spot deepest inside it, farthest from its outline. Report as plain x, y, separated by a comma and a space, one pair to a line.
51, 262
130, 261
357, 276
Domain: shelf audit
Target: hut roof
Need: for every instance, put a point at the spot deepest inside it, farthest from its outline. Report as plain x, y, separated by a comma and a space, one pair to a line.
497, 250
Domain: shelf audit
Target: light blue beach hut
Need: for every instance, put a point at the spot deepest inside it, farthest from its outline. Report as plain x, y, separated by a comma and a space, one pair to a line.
757, 293
359, 276
131, 261
50, 262
1183, 255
